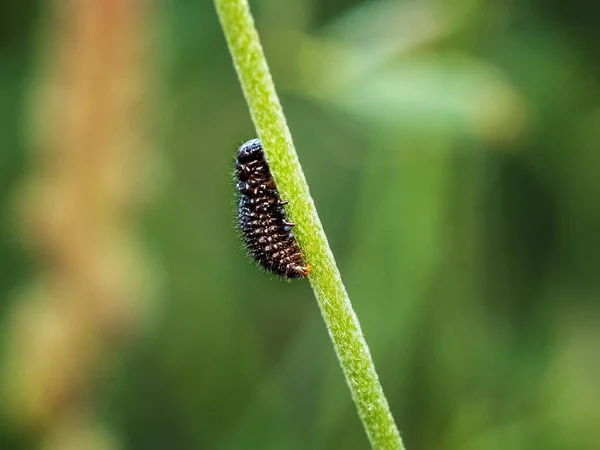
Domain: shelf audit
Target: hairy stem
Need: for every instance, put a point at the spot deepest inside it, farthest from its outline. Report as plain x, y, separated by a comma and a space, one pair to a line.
340, 319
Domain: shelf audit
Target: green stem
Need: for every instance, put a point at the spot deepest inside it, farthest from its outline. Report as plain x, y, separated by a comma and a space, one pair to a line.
340, 319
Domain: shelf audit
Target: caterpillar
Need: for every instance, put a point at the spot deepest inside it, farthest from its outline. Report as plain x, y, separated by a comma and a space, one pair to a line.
262, 219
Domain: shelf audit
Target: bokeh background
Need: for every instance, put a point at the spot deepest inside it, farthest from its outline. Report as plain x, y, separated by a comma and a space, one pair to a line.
452, 149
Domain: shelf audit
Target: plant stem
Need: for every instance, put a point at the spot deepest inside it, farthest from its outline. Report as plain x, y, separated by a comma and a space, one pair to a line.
336, 309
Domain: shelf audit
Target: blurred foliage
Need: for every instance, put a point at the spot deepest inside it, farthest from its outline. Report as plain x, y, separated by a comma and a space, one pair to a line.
452, 149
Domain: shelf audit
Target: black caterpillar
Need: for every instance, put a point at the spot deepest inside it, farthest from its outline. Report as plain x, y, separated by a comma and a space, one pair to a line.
262, 218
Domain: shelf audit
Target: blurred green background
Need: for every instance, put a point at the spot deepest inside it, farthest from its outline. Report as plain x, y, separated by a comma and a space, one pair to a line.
452, 149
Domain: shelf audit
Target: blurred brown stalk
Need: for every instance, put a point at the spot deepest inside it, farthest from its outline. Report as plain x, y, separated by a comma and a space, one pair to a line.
78, 207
